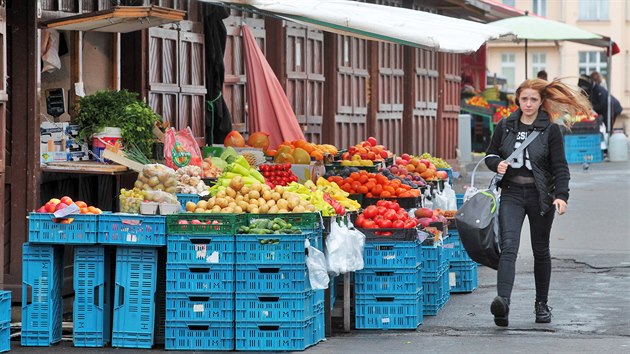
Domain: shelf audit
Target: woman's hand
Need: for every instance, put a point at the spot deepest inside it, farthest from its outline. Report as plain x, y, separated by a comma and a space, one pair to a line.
502, 168
561, 206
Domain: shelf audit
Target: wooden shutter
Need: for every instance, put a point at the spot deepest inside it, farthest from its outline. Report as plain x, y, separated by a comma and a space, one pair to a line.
163, 73
450, 80
192, 79
425, 108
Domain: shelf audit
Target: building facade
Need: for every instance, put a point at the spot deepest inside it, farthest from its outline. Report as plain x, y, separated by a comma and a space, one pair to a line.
568, 60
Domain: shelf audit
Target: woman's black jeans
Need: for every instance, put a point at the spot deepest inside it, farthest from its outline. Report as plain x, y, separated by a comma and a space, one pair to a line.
516, 202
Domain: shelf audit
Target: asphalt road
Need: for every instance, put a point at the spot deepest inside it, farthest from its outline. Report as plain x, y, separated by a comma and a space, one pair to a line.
589, 291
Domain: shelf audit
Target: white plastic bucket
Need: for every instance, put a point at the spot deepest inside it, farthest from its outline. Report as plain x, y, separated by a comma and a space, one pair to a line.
618, 147
108, 136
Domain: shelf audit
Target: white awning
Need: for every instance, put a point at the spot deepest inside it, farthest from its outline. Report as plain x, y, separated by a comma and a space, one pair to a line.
379, 22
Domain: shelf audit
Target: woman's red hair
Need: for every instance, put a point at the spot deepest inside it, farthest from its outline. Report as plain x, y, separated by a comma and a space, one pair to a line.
558, 99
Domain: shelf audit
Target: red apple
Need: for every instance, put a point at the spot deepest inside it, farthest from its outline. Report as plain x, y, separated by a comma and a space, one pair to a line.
41, 210
50, 207
441, 175
183, 222
66, 200
196, 222
405, 157
371, 156
60, 206
372, 141
426, 162
384, 154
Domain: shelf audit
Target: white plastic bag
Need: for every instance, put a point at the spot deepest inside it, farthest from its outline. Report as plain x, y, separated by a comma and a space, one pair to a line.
317, 268
344, 249
451, 198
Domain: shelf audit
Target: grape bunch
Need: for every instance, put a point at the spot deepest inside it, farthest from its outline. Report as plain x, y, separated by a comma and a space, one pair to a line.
438, 162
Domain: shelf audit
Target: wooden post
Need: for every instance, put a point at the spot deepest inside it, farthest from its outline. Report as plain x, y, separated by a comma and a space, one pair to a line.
331, 94
276, 51
76, 65
439, 121
372, 89
116, 62
409, 98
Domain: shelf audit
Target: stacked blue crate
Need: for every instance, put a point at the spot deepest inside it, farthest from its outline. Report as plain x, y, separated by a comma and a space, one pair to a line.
275, 306
131, 230
200, 283
463, 270
42, 305
92, 301
5, 321
134, 297
435, 279
389, 290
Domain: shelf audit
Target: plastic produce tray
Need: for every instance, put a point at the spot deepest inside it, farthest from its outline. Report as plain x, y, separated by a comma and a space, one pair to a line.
199, 335
388, 311
388, 281
463, 277
392, 254
272, 249
199, 306
434, 260
185, 198
208, 224
42, 305
275, 336
134, 302
195, 278
92, 302
76, 229
132, 230
200, 249
276, 307
278, 278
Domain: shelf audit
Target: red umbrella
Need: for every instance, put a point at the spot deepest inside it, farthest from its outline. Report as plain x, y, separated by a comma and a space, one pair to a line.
269, 108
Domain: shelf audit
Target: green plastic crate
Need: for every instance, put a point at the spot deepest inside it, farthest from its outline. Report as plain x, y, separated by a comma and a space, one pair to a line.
211, 224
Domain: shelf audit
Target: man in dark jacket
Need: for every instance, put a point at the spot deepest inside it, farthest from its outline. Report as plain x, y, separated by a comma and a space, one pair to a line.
598, 96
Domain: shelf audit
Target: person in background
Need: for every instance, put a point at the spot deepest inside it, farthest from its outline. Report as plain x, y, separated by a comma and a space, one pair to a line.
534, 184
542, 74
598, 96
597, 78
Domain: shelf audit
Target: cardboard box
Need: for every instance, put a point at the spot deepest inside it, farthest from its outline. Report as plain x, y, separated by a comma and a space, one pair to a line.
50, 131
78, 156
311, 172
72, 130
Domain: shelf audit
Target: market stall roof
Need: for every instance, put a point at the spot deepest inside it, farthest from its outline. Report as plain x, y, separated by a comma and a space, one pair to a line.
541, 29
119, 19
379, 22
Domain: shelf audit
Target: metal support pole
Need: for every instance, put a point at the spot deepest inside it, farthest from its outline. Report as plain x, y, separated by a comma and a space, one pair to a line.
525, 59
609, 85
346, 302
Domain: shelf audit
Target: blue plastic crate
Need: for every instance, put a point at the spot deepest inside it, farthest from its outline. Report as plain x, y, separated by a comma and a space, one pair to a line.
200, 277
460, 200
319, 326
434, 261
160, 299
272, 336
278, 278
134, 302
332, 291
42, 305
76, 229
582, 141
5, 336
582, 155
275, 307
388, 281
92, 301
273, 249
455, 251
388, 311
394, 254
5, 306
185, 198
199, 307
209, 335
200, 249
436, 293
132, 230
463, 278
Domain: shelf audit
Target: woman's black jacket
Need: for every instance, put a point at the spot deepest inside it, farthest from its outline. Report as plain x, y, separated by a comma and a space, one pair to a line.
546, 154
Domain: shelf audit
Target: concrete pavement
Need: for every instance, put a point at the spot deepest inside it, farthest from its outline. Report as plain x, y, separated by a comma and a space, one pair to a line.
589, 291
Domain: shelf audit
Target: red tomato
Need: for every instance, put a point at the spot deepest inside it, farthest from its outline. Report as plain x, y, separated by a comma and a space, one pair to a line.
402, 214
384, 223
369, 224
359, 222
395, 206
381, 210
398, 224
381, 202
391, 215
411, 223
370, 212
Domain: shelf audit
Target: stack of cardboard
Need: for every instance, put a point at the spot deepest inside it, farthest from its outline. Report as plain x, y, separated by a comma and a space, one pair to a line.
60, 141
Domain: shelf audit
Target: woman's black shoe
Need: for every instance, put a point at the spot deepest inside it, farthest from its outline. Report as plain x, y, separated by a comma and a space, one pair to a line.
500, 308
543, 312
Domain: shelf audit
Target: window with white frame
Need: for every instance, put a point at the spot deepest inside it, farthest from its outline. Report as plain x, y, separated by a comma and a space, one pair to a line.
592, 61
539, 62
508, 69
540, 7
509, 2
593, 10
